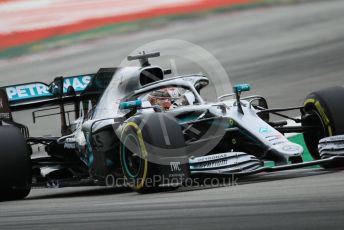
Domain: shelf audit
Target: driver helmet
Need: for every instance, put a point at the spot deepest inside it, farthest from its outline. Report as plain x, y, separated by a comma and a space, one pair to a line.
165, 98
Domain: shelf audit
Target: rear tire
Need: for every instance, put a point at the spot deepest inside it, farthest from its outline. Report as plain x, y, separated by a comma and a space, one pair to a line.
323, 108
15, 164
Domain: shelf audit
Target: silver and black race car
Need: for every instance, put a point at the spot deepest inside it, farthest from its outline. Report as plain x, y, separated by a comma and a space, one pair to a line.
134, 126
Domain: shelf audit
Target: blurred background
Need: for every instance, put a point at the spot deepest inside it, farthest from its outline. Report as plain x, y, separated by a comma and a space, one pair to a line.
284, 48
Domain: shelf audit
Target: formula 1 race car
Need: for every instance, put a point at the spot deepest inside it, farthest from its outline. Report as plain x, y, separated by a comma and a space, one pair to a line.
133, 125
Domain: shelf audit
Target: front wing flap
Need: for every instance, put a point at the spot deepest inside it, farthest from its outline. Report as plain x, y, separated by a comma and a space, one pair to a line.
331, 160
331, 151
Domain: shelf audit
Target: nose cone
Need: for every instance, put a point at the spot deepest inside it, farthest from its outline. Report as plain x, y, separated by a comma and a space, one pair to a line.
289, 150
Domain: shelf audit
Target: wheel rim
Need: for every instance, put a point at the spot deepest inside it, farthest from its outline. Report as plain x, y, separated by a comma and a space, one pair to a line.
131, 155
312, 143
320, 133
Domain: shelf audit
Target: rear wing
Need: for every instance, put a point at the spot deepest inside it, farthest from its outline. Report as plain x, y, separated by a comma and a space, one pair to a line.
35, 94
62, 90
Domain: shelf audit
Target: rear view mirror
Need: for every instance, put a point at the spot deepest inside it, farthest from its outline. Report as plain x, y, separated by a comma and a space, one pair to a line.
130, 104
238, 88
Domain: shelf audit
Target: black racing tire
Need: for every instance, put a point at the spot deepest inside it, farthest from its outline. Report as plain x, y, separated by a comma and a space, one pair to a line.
323, 108
15, 164
140, 139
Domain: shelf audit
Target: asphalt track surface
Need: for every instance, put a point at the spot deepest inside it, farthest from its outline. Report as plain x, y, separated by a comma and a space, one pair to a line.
284, 52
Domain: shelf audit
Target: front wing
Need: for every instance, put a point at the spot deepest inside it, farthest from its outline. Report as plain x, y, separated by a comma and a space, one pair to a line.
241, 164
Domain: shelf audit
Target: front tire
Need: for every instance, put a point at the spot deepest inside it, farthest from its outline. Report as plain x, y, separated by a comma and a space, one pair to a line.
137, 170
143, 139
323, 108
